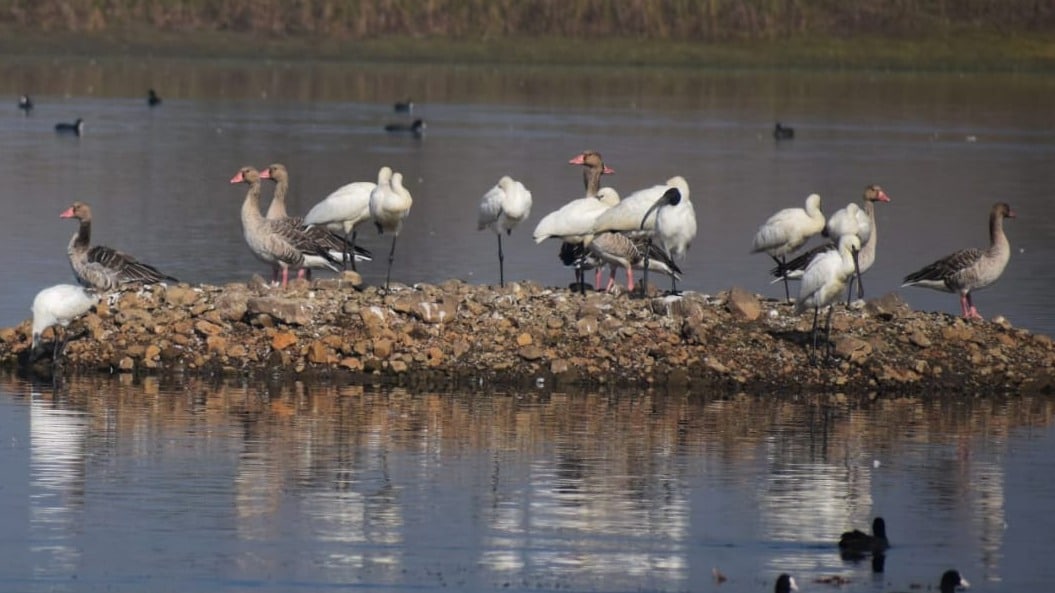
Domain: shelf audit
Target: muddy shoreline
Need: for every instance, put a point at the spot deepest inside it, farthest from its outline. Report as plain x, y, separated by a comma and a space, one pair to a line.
526, 335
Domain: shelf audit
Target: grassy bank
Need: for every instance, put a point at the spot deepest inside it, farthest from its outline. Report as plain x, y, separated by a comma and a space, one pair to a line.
970, 50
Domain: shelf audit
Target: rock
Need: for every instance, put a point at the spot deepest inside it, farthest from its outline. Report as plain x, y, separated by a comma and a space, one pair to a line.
287, 311
887, 307
319, 353
524, 339
851, 348
282, 340
430, 312
216, 344
180, 296
743, 305
398, 366
382, 348
920, 339
434, 357
232, 305
207, 328
530, 353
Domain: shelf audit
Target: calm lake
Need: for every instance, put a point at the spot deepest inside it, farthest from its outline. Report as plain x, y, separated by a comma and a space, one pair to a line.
118, 485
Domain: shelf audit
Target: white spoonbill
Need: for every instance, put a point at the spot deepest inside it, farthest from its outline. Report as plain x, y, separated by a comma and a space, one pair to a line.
675, 222
390, 204
59, 305
501, 209
824, 281
968, 270
787, 230
343, 211
864, 226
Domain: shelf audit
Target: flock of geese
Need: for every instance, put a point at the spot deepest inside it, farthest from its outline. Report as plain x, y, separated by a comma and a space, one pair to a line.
650, 230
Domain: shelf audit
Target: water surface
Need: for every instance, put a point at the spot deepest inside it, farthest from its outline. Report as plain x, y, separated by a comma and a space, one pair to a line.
111, 485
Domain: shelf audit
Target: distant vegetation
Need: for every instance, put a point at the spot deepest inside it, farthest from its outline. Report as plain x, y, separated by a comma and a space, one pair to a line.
671, 20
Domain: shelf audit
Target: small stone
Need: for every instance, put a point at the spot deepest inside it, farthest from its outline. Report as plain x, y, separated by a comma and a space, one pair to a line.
351, 363
216, 344
920, 339
126, 364
152, 352
282, 340
398, 366
288, 311
382, 348
530, 353
206, 328
180, 296
524, 339
743, 305
318, 353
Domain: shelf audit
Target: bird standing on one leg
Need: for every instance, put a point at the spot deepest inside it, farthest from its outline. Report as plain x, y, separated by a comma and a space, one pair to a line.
390, 204
501, 209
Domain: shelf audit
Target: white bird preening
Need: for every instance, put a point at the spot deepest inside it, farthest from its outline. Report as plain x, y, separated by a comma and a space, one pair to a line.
968, 270
851, 219
501, 209
675, 222
343, 211
57, 306
823, 282
390, 204
787, 230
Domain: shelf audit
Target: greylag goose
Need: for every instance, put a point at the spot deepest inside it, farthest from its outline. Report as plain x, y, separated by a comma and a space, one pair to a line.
675, 222
787, 230
338, 247
619, 250
100, 267
59, 305
851, 219
823, 282
968, 270
276, 244
390, 204
501, 209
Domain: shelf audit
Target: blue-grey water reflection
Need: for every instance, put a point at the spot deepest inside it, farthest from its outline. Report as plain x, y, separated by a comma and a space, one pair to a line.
110, 485
945, 147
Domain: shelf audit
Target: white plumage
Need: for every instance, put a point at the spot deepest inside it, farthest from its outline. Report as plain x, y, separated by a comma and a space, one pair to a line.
824, 280
59, 305
574, 221
675, 226
633, 214
849, 220
343, 211
787, 230
390, 204
501, 209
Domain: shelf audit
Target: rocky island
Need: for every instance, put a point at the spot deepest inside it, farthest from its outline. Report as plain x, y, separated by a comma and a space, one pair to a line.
528, 335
